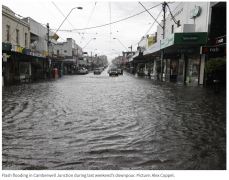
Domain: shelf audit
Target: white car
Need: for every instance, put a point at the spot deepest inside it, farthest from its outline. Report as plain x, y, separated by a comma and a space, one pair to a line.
83, 71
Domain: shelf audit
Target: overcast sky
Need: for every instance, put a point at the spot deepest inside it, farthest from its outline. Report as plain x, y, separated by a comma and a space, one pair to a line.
97, 13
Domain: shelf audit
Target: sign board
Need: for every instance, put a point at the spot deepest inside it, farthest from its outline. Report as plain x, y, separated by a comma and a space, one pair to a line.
221, 40
151, 41
4, 57
169, 41
190, 38
194, 12
186, 50
212, 50
155, 47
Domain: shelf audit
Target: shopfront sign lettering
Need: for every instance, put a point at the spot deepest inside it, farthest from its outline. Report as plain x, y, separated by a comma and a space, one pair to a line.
155, 47
212, 50
187, 38
194, 12
186, 50
221, 40
167, 41
177, 13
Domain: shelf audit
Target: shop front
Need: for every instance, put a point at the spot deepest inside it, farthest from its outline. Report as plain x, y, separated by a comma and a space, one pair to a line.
57, 64
182, 59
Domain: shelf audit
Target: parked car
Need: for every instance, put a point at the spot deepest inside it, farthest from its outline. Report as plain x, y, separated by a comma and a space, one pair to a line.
97, 71
113, 71
120, 71
82, 71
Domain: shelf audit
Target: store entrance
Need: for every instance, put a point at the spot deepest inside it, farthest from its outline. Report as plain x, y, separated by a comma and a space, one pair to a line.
173, 70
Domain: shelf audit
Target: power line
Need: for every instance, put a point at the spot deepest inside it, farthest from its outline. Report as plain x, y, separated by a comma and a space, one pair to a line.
110, 26
176, 22
153, 23
70, 24
64, 16
150, 14
89, 20
112, 22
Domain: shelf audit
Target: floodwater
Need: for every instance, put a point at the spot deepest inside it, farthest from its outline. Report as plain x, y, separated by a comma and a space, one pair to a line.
97, 122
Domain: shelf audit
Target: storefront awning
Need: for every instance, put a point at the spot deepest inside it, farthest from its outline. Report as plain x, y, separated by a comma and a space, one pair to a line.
184, 39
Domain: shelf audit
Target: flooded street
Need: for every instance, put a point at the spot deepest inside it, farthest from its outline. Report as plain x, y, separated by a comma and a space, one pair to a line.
90, 122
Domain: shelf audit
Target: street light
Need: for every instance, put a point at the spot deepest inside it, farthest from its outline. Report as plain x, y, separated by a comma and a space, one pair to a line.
88, 42
121, 43
67, 16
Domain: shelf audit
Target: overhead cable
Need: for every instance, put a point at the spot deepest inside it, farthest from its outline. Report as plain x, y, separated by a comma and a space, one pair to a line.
153, 23
112, 22
88, 20
150, 14
69, 22
176, 22
110, 25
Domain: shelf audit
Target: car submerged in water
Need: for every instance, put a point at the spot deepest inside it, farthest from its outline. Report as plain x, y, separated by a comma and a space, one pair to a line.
113, 71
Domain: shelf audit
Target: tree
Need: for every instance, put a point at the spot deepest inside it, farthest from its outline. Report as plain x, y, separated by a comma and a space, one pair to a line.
215, 65
158, 69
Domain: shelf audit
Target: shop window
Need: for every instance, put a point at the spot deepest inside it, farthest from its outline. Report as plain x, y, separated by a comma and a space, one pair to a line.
180, 69
168, 67
8, 33
192, 75
58, 51
24, 68
25, 39
17, 36
174, 67
178, 23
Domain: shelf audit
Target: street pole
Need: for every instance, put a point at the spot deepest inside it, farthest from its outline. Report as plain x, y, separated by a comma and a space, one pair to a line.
49, 61
91, 59
162, 52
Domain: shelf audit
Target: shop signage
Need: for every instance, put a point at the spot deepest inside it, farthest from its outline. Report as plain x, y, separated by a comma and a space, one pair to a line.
190, 38
19, 49
155, 47
221, 40
150, 41
58, 56
186, 50
167, 41
212, 50
194, 12
4, 57
177, 13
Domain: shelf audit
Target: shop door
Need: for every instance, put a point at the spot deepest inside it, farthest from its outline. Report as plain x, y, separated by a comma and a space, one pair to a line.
174, 70
11, 71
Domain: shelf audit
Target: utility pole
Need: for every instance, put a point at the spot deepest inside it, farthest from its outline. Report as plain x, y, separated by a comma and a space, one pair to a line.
162, 51
49, 61
130, 48
91, 59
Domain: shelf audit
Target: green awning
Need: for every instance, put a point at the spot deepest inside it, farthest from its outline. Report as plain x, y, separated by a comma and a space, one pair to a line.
26, 51
184, 38
6, 47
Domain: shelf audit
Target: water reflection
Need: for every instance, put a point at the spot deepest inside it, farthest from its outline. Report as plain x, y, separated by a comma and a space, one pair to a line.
90, 122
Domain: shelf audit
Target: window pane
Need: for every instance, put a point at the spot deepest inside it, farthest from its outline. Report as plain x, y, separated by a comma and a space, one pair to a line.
8, 33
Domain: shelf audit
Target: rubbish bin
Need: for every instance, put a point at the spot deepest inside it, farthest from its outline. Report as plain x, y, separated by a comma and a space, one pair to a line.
54, 73
60, 73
